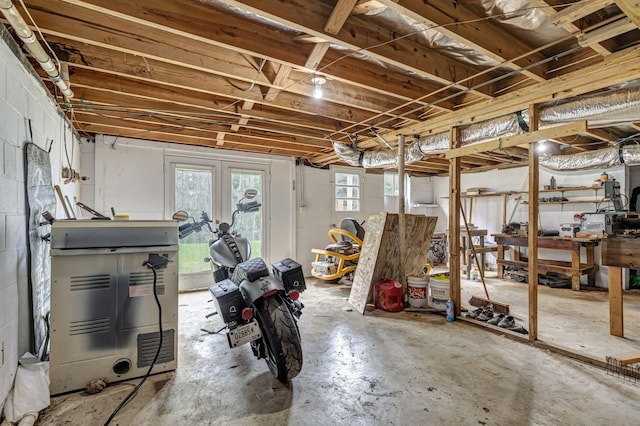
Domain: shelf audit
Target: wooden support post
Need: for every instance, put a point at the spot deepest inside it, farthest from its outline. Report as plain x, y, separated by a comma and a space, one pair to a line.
505, 198
454, 222
616, 323
534, 177
401, 219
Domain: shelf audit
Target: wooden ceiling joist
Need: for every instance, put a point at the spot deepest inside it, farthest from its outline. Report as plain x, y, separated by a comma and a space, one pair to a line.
237, 73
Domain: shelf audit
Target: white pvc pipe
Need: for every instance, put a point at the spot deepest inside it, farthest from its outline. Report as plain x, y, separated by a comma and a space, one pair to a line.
33, 46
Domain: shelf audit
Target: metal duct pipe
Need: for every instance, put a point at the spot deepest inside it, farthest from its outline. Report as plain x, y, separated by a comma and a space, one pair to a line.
32, 45
599, 159
617, 106
631, 155
373, 158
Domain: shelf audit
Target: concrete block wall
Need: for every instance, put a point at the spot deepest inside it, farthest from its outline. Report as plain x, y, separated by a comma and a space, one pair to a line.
23, 100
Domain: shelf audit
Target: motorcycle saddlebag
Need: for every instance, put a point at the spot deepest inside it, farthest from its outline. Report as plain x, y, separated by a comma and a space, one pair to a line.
228, 300
250, 270
290, 274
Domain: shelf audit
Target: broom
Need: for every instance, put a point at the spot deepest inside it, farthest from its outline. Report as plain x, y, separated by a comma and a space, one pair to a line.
497, 307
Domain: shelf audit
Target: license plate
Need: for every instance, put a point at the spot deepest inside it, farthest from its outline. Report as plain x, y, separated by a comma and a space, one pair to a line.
244, 334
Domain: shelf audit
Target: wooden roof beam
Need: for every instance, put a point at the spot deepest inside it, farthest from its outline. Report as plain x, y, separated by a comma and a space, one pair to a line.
459, 23
619, 67
631, 8
159, 41
339, 15
523, 139
309, 16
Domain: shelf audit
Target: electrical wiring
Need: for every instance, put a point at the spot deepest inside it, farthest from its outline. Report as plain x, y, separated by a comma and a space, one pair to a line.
149, 265
253, 83
66, 152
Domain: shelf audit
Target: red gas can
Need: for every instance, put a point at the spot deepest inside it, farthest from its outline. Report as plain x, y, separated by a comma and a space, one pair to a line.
388, 295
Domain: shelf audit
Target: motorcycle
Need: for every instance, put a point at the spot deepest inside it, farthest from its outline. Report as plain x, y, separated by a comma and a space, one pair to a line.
258, 307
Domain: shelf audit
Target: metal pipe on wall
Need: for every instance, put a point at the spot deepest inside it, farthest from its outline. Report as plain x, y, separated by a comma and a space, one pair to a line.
32, 45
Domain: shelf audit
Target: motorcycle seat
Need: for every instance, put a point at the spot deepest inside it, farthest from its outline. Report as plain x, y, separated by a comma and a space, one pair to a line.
251, 270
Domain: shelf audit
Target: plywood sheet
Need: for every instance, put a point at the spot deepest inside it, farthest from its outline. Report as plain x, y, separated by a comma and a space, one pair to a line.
380, 254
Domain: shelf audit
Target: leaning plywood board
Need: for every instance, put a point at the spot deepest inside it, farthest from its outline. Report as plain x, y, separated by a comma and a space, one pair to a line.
381, 252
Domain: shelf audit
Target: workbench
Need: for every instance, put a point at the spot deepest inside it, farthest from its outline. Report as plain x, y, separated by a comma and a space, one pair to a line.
575, 269
618, 253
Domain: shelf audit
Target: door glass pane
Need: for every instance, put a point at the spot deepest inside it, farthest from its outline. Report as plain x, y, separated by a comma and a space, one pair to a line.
249, 225
193, 193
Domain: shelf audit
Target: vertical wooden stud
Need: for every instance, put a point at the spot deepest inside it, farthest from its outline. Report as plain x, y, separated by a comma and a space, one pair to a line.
454, 222
402, 224
534, 177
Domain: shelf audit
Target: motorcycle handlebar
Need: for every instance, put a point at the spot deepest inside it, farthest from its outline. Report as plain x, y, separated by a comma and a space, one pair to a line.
189, 228
250, 207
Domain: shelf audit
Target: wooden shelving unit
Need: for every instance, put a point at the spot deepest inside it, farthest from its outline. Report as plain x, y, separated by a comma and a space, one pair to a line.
568, 189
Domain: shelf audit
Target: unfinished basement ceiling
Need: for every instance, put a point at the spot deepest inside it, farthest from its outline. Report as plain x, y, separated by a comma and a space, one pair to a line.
239, 74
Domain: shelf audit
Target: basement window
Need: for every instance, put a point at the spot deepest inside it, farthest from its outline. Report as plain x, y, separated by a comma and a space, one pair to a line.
391, 184
347, 192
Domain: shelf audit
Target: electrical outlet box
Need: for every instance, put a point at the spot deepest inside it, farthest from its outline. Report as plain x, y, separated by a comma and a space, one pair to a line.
71, 175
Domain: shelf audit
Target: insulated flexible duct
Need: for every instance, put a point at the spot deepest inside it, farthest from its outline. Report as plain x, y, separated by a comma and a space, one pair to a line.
32, 45
599, 159
616, 106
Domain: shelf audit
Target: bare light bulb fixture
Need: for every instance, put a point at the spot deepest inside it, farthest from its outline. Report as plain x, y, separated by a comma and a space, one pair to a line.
318, 82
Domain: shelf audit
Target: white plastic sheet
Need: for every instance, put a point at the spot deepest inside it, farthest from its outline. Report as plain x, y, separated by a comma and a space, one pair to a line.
30, 392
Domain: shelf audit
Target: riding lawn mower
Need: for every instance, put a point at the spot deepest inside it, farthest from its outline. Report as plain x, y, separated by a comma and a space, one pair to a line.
340, 258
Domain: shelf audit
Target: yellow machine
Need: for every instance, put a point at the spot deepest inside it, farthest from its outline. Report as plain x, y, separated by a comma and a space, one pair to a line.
340, 258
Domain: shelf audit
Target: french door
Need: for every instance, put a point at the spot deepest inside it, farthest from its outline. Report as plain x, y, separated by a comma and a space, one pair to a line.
214, 187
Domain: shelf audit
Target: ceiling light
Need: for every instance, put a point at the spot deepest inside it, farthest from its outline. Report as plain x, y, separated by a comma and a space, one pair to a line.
318, 81
542, 146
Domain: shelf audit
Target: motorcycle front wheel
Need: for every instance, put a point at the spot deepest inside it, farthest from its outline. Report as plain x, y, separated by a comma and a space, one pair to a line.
281, 337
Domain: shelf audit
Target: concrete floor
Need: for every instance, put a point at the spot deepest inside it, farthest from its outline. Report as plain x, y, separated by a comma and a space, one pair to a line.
392, 369
576, 321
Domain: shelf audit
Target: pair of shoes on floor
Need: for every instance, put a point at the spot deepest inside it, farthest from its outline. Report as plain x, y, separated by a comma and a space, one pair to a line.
507, 322
485, 315
474, 314
519, 329
496, 319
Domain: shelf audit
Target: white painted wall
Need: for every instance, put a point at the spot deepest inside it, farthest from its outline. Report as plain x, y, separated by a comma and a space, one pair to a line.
22, 98
315, 215
130, 177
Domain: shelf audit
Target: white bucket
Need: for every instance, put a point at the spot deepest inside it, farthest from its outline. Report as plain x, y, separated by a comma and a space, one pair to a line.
439, 285
418, 288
